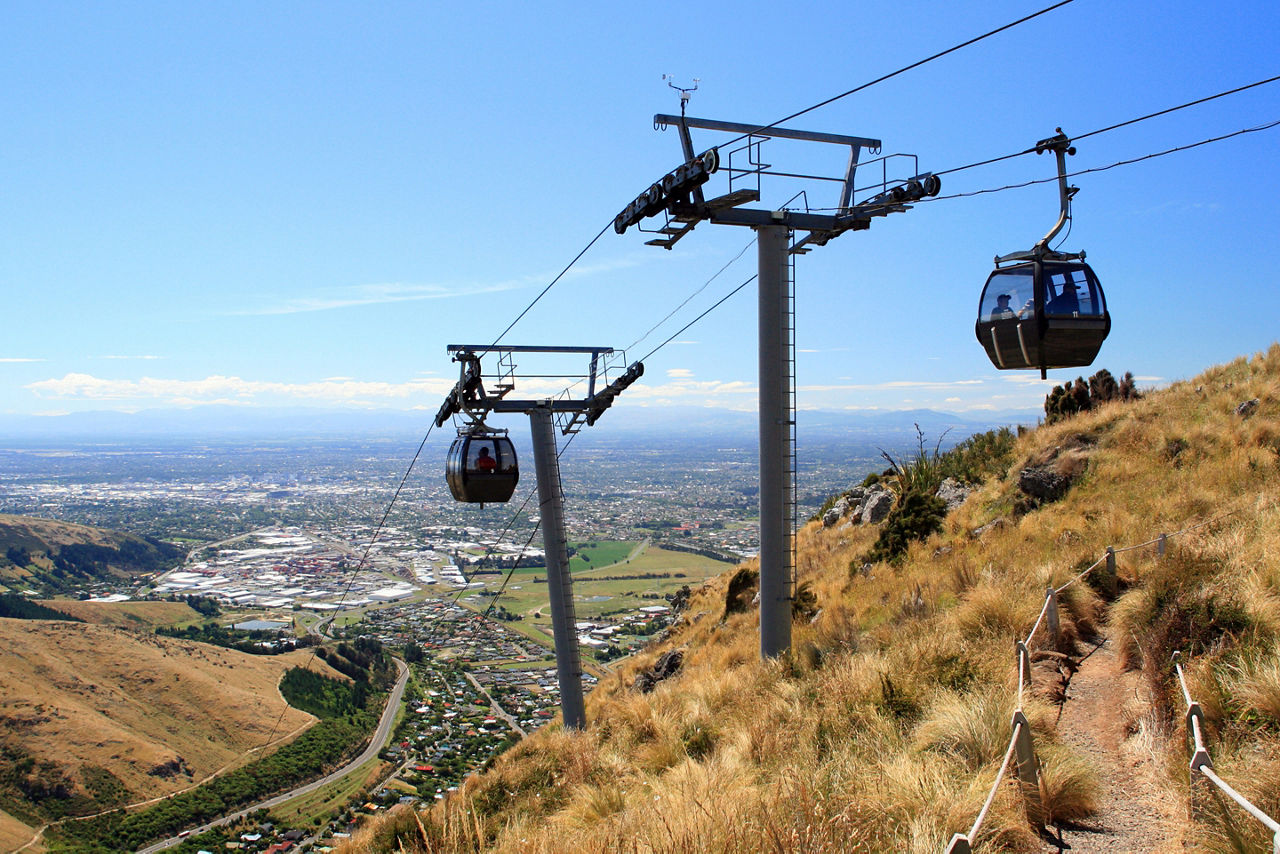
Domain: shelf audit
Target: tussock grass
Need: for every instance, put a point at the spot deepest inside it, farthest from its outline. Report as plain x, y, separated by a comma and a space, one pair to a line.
1254, 683
1068, 785
883, 731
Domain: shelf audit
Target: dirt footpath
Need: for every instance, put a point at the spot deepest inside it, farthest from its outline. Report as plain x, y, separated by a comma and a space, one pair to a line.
1104, 718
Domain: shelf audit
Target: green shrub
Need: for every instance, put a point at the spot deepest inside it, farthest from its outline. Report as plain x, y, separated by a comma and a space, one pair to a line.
915, 517
981, 456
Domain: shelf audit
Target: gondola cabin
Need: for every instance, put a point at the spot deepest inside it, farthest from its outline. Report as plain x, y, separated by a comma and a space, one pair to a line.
482, 468
1042, 313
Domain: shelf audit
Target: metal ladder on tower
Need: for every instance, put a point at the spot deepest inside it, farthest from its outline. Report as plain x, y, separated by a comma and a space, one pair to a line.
791, 507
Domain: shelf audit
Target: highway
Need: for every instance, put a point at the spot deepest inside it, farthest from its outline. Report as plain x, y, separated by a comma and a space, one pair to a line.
379, 740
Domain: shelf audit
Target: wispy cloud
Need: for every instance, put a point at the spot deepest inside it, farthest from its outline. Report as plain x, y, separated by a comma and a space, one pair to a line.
679, 373
378, 294
130, 358
327, 299
17, 359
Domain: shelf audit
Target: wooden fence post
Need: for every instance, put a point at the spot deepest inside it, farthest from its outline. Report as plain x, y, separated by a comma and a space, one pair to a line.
1109, 577
1028, 769
1051, 616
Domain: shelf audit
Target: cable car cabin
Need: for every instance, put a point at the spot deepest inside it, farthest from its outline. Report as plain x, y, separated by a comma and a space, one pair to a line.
481, 468
1042, 314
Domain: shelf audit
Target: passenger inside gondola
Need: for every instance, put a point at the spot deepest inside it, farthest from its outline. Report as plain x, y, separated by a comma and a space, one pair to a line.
484, 463
1066, 302
1009, 296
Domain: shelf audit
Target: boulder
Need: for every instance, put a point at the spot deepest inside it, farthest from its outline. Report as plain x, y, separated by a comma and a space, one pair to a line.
877, 507
667, 665
953, 493
837, 511
1042, 483
849, 504
742, 591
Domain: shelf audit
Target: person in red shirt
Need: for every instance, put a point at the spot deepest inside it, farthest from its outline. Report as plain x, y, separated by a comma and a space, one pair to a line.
485, 463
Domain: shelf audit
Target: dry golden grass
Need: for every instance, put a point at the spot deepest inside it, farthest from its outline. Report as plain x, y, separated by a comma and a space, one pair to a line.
883, 731
130, 615
13, 833
78, 694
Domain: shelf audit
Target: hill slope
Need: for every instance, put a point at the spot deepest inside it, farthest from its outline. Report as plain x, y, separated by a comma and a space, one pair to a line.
884, 730
93, 717
54, 557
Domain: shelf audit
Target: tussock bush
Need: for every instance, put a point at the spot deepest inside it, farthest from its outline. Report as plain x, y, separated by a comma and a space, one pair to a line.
974, 728
1068, 785
1255, 685
1181, 607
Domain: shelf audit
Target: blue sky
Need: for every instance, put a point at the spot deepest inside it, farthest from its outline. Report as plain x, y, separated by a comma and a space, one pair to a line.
300, 204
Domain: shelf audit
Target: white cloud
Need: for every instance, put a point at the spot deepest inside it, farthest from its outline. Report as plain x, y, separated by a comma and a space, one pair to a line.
679, 373
224, 390
1031, 380
891, 385
16, 359
682, 389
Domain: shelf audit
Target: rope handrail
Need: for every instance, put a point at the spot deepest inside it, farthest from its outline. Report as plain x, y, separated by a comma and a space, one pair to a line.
1124, 549
961, 843
1097, 563
1044, 610
991, 796
1201, 763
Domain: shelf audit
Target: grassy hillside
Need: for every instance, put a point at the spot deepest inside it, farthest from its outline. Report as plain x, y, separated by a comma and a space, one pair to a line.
55, 557
93, 717
129, 615
885, 728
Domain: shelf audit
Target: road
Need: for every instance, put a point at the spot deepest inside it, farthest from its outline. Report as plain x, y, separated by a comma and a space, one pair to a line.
497, 710
380, 736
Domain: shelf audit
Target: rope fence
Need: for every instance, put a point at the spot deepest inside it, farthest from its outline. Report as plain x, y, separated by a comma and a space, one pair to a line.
1020, 741
1201, 763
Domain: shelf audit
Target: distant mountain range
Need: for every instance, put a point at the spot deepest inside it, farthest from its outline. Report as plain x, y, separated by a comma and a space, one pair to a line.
228, 422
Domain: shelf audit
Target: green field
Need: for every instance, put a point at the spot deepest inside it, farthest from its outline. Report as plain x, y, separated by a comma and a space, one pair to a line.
326, 801
596, 555
615, 584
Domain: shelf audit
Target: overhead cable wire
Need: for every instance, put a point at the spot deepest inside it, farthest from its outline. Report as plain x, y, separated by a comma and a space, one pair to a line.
687, 299
549, 286
560, 486
528, 497
713, 307
1179, 107
1128, 162
902, 70
1117, 126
